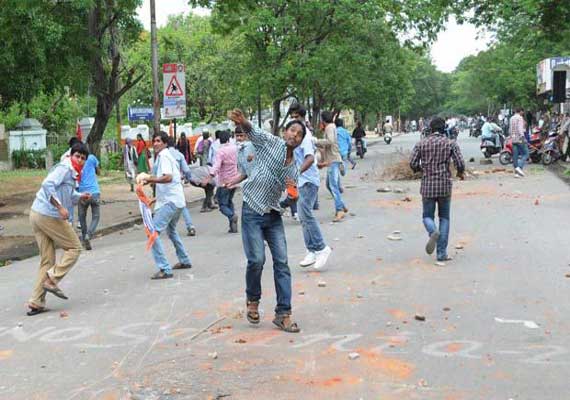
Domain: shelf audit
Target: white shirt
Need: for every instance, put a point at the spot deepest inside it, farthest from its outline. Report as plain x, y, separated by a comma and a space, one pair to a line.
171, 192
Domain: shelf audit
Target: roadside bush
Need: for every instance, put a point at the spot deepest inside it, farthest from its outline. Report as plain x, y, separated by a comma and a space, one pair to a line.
57, 151
35, 159
112, 161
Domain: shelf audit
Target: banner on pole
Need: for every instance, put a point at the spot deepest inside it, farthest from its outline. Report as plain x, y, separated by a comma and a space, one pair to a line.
174, 94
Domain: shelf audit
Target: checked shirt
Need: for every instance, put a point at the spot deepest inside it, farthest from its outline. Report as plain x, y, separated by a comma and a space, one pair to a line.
432, 156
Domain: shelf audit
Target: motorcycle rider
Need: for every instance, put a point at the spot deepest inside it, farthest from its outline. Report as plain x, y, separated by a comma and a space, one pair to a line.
357, 134
388, 128
488, 132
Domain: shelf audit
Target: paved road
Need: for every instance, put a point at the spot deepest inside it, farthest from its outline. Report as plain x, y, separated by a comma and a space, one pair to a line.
496, 317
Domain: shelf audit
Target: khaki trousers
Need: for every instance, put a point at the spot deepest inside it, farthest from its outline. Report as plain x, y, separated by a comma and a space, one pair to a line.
51, 233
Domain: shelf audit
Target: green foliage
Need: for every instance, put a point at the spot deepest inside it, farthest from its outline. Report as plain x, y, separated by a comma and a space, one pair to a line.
57, 150
112, 161
12, 116
35, 159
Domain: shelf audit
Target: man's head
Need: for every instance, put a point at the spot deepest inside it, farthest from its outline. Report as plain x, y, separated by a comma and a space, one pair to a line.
437, 125
294, 133
519, 110
339, 122
224, 137
170, 142
205, 135
159, 141
297, 111
217, 134
79, 153
327, 117
73, 140
239, 134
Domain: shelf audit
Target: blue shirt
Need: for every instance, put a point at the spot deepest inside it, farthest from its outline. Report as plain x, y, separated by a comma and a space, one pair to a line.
89, 182
344, 141
307, 148
245, 149
59, 184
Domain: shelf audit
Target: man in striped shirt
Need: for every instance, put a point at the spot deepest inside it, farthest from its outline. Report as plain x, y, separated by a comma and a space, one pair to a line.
520, 149
261, 215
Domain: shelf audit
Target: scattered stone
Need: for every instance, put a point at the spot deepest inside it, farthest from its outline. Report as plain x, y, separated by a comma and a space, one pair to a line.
472, 159
536, 202
353, 356
360, 236
394, 237
407, 199
132, 257
384, 190
63, 314
359, 296
373, 282
459, 246
240, 341
446, 309
485, 161
137, 227
301, 293
20, 324
419, 317
336, 239
440, 264
398, 190
213, 355
567, 275
388, 323
106, 291
352, 214
396, 232
322, 284
422, 383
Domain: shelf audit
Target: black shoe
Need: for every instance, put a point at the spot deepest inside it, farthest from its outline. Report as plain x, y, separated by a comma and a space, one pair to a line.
212, 207
191, 231
161, 275
432, 242
86, 244
182, 266
234, 224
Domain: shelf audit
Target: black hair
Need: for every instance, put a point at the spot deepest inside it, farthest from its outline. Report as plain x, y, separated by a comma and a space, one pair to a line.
224, 136
139, 135
519, 109
437, 125
238, 130
73, 140
162, 135
295, 122
297, 108
327, 117
205, 135
217, 134
170, 142
79, 148
339, 122
182, 135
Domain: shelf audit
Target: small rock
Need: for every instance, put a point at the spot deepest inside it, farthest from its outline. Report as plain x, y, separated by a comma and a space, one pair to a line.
20, 324
359, 296
394, 237
301, 293
536, 202
398, 190
240, 341
485, 161
336, 239
132, 257
384, 190
396, 232
353, 356
419, 317
106, 291
137, 227
352, 214
422, 383
322, 284
459, 246
43, 366
388, 323
82, 351
567, 275
472, 159
213, 355
407, 199
63, 314
446, 309
360, 236
440, 264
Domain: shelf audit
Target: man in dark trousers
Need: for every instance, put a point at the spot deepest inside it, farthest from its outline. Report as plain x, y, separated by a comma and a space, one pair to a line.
432, 156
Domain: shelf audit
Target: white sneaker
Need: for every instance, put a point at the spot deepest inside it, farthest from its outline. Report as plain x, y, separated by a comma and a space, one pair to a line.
296, 217
322, 257
519, 171
309, 259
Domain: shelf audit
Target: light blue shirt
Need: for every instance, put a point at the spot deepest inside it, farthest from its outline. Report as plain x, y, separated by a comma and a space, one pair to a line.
344, 141
307, 148
182, 164
59, 184
89, 182
245, 149
488, 129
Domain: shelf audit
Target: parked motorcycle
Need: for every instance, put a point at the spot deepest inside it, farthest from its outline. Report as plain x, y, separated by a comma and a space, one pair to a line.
534, 149
552, 148
489, 147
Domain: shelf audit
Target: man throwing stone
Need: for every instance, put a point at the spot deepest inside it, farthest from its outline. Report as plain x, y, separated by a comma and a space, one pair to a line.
432, 156
261, 215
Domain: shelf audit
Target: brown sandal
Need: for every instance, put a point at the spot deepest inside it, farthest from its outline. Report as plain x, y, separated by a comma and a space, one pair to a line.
285, 323
252, 311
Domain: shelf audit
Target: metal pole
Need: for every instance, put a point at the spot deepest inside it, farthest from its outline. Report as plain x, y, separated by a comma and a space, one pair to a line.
154, 58
174, 120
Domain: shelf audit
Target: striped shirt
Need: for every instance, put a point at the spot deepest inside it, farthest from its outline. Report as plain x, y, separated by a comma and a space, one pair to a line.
262, 190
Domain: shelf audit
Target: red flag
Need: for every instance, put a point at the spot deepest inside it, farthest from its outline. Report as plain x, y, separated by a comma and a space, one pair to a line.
78, 132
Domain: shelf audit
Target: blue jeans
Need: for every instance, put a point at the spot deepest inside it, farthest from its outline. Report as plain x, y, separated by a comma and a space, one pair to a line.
225, 201
311, 231
520, 154
166, 217
289, 202
444, 213
333, 180
255, 229
187, 218
82, 207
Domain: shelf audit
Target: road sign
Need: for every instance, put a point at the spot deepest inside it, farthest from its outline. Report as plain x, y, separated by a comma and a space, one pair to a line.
145, 113
174, 97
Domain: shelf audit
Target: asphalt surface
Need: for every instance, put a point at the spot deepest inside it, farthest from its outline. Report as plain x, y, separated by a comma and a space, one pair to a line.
495, 323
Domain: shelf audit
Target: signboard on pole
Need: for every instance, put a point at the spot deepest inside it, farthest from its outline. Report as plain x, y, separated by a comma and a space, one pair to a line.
143, 113
174, 94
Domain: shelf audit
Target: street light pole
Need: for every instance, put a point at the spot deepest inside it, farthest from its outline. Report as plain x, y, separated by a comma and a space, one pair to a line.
154, 60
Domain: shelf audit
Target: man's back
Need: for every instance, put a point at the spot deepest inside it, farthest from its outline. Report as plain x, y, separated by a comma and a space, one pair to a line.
432, 156
89, 176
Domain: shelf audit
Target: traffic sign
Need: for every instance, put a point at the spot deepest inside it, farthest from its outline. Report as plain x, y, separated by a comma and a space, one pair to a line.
174, 97
143, 113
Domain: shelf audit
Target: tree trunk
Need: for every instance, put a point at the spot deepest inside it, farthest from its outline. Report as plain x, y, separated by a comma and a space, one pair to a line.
104, 110
276, 117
